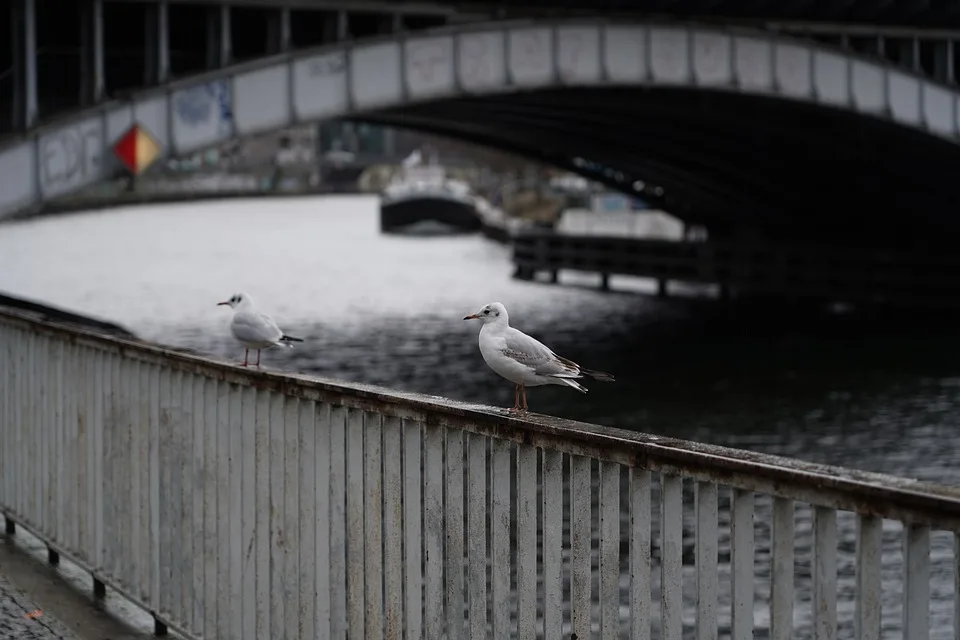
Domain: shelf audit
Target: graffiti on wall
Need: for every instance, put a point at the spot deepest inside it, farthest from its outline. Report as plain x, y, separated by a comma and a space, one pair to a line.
206, 107
70, 157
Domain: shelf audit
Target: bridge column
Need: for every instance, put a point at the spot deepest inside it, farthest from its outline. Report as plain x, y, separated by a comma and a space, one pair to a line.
92, 83
909, 54
226, 36
156, 44
30, 110
943, 61
278, 32
163, 41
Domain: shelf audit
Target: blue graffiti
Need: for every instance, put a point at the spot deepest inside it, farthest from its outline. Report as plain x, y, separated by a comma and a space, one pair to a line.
197, 105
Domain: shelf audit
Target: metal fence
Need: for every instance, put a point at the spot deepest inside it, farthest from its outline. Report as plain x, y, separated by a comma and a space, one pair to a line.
246, 504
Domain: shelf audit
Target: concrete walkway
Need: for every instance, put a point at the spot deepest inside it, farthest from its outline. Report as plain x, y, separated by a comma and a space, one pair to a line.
41, 602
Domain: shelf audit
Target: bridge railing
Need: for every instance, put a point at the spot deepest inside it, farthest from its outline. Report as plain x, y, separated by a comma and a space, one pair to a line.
234, 503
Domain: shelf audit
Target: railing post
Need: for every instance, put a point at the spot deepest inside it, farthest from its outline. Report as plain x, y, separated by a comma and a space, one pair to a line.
31, 110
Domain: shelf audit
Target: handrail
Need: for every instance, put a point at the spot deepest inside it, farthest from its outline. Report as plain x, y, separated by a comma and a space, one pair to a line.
862, 492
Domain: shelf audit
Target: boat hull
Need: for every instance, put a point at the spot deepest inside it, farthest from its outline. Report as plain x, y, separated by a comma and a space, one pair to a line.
399, 216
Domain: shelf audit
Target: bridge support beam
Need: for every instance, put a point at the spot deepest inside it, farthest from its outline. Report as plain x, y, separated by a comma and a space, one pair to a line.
219, 43
278, 32
92, 84
30, 108
943, 61
156, 44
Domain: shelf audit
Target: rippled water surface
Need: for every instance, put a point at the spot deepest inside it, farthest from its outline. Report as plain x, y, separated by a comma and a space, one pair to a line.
387, 310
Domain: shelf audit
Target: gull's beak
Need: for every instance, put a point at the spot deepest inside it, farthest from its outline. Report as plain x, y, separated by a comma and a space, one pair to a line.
220, 303
472, 316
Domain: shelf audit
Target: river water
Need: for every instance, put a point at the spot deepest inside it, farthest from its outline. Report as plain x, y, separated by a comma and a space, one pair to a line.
882, 396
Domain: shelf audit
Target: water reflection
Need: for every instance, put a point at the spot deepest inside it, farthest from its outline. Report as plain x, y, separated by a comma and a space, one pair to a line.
882, 396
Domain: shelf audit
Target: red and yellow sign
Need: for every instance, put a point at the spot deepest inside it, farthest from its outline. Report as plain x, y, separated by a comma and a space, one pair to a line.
137, 149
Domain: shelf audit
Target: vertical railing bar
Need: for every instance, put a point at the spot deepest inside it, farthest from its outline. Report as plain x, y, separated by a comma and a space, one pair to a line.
137, 431
609, 595
552, 462
393, 527
153, 473
412, 534
6, 421
247, 620
338, 523
869, 540
742, 561
195, 607
183, 606
916, 581
164, 472
144, 447
373, 525
824, 573
236, 523
956, 585
581, 534
640, 554
454, 525
781, 556
313, 435
500, 560
527, 542
57, 467
707, 537
225, 423
278, 544
181, 386
476, 535
355, 533
671, 550
261, 549
433, 530
209, 506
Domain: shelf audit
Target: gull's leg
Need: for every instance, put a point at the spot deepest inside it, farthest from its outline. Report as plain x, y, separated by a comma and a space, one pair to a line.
246, 354
523, 390
516, 398
258, 358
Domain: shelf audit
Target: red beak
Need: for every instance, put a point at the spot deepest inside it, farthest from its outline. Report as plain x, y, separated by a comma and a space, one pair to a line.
472, 316
220, 303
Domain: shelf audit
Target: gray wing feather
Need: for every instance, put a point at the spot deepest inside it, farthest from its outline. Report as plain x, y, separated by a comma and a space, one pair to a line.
538, 356
255, 327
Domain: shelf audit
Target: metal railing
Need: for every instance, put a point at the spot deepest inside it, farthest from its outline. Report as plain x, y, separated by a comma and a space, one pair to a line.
236, 503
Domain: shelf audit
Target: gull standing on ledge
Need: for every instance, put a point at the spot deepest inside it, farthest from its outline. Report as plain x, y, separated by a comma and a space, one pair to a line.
523, 360
254, 330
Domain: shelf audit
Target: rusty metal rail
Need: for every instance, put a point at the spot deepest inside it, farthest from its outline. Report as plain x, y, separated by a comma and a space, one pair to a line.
251, 504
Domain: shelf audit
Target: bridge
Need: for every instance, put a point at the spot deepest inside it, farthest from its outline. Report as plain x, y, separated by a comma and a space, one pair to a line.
236, 503
763, 124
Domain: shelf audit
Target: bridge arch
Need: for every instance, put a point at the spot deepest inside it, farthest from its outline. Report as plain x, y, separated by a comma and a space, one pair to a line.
685, 106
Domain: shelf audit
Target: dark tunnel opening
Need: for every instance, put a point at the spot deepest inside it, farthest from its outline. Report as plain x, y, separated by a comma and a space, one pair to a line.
775, 167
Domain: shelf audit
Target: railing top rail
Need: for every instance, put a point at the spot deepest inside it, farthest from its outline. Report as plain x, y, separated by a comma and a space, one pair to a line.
863, 492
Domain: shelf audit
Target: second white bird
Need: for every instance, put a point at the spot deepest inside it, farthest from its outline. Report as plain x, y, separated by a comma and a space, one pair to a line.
254, 330
523, 360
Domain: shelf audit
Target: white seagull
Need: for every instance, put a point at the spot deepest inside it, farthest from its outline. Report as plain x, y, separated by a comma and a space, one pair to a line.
523, 360
254, 330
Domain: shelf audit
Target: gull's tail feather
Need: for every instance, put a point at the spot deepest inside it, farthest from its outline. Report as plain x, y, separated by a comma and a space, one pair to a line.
599, 376
286, 340
573, 383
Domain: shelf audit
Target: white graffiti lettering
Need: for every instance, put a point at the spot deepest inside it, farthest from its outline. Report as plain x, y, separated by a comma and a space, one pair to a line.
71, 157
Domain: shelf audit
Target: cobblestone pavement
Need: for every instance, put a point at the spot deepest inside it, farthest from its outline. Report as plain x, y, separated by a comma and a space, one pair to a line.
16, 623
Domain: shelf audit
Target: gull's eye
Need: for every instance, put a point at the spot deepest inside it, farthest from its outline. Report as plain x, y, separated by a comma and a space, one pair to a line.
486, 312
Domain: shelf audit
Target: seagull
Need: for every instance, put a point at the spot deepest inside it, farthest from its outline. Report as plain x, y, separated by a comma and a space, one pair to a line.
523, 360
254, 330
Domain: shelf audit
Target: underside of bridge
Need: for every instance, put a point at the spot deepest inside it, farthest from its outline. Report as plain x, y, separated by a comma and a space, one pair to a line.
731, 162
